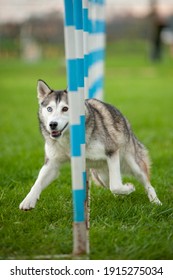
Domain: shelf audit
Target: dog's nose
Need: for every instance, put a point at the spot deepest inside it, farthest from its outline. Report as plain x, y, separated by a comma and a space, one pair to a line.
53, 125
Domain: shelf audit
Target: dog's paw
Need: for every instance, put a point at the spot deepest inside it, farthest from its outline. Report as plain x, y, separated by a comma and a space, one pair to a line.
155, 200
28, 203
153, 196
128, 188
125, 189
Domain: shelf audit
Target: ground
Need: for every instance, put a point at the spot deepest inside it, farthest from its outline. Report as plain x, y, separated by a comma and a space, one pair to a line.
121, 227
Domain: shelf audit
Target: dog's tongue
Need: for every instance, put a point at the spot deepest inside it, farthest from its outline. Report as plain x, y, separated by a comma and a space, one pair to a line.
56, 133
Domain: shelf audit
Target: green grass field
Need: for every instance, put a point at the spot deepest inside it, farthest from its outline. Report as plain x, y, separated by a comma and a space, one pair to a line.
121, 227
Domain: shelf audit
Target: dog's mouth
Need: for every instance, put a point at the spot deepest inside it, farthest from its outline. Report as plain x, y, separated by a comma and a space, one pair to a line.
57, 133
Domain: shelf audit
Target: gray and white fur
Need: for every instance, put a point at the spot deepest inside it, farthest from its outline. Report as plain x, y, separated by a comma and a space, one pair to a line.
111, 147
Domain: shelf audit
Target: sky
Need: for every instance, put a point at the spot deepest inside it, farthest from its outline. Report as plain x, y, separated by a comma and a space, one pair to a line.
18, 10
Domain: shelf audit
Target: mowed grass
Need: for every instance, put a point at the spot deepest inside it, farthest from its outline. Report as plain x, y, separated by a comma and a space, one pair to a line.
121, 227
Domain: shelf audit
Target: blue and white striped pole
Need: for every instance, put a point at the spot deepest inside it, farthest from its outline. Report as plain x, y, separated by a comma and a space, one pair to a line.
75, 73
96, 48
85, 79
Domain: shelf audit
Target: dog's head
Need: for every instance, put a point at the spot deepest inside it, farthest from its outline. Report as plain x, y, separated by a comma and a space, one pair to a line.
53, 111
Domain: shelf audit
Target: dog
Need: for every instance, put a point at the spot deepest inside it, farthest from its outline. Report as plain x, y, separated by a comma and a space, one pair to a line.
111, 147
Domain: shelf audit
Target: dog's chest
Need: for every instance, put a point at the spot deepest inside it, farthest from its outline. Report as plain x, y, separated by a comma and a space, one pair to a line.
95, 151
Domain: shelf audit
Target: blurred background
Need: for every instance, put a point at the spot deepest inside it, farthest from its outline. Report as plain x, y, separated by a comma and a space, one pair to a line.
33, 30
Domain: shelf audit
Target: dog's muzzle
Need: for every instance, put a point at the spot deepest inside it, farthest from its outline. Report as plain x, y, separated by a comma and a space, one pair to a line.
55, 133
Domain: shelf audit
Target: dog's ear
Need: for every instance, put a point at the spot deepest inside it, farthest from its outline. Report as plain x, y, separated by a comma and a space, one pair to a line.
42, 90
66, 90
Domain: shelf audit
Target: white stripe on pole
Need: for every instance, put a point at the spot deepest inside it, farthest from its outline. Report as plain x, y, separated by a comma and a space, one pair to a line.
96, 71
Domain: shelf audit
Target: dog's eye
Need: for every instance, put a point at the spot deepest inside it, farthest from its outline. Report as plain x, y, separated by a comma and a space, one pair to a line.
49, 109
65, 109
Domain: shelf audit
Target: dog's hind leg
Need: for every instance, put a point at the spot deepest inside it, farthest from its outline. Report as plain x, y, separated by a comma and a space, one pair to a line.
140, 170
47, 174
115, 181
100, 176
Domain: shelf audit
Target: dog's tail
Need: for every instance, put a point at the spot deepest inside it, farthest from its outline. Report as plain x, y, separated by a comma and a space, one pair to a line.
141, 156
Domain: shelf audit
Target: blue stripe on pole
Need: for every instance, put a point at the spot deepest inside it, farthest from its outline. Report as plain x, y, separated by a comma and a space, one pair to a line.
95, 56
71, 72
77, 137
80, 72
96, 26
85, 20
68, 13
98, 84
101, 2
78, 203
75, 141
78, 19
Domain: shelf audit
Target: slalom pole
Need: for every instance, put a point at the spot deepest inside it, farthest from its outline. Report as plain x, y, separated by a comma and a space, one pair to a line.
85, 54
75, 75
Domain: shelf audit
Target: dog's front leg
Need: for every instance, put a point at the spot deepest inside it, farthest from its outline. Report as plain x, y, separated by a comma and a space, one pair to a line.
115, 181
47, 174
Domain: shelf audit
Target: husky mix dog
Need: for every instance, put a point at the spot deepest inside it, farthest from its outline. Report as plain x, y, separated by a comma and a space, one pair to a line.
111, 146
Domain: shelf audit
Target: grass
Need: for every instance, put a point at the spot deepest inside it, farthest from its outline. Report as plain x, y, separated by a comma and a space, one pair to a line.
121, 227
